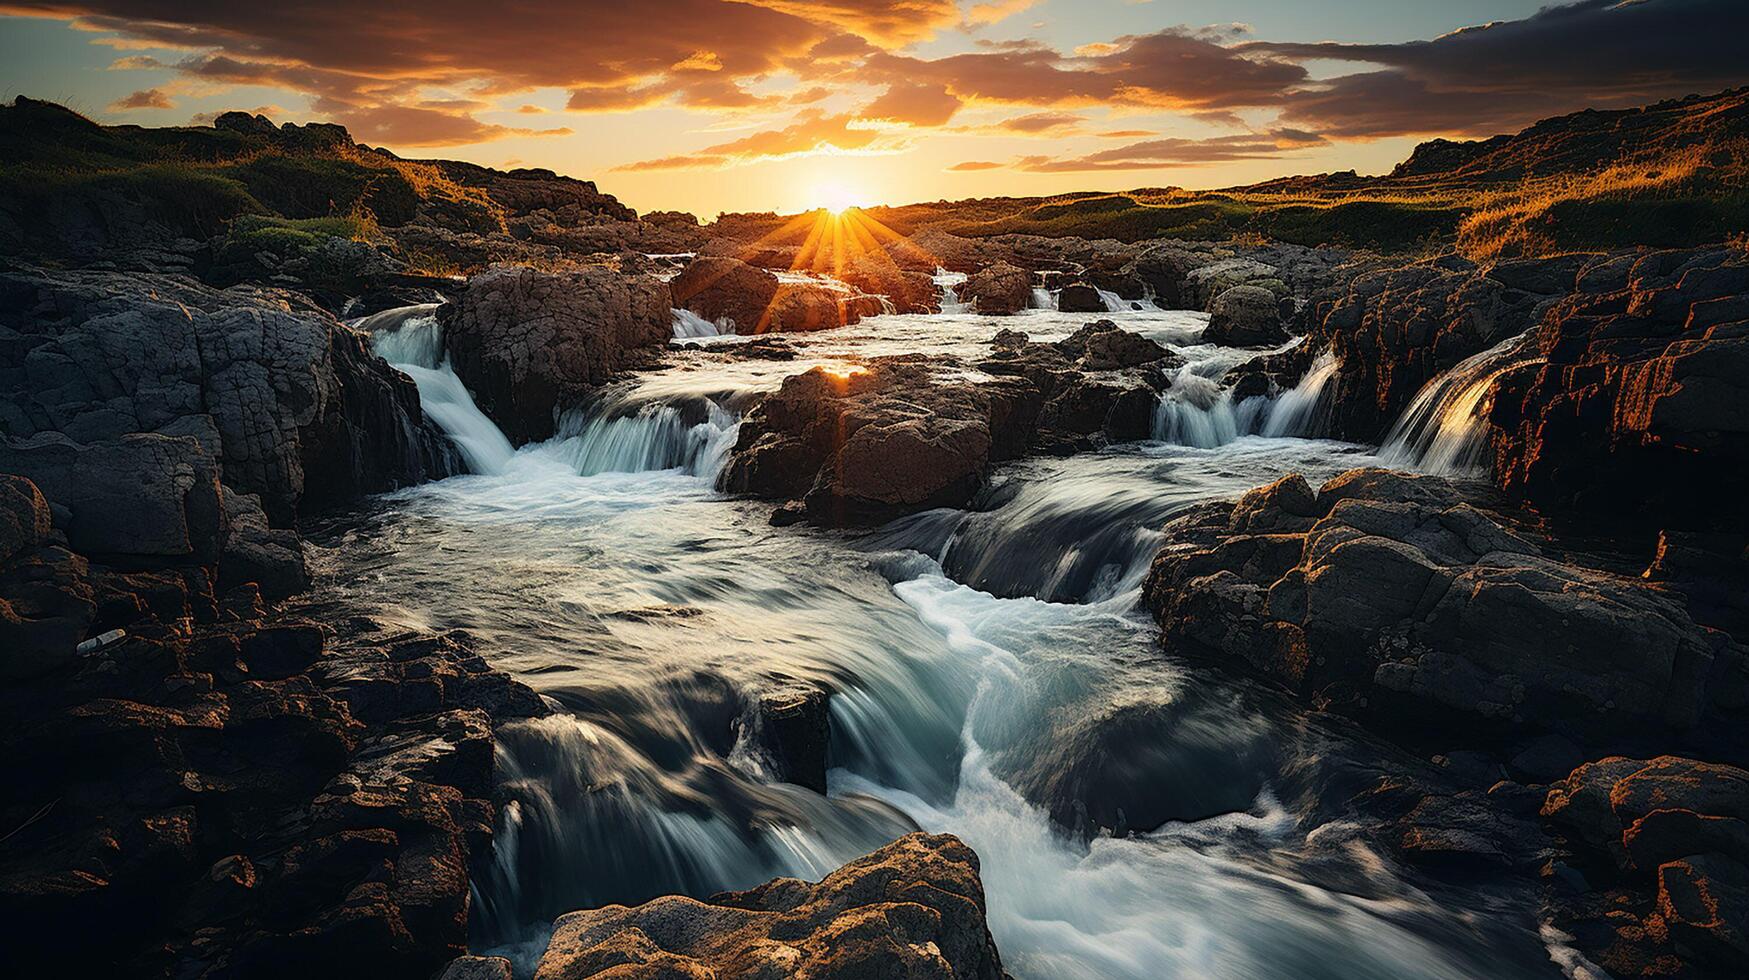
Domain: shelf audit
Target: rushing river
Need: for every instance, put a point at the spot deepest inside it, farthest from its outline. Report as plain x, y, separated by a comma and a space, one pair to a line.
991, 677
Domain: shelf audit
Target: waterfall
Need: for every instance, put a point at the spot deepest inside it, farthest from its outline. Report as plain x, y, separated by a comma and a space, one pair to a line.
1301, 410
1113, 302
1043, 299
949, 283
1445, 429
690, 326
411, 339
622, 438
1197, 411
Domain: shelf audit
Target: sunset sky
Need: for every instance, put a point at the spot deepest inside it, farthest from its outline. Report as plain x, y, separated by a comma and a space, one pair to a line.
707, 106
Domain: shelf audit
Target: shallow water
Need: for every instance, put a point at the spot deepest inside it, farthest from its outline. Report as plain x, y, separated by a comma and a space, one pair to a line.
991, 676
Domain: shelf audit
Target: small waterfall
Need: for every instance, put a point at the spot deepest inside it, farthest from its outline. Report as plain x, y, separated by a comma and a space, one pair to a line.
1197, 411
411, 339
1302, 409
949, 283
1445, 429
690, 326
623, 438
1043, 299
1113, 302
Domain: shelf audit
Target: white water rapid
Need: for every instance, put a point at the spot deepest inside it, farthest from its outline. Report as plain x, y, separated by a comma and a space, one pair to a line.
988, 672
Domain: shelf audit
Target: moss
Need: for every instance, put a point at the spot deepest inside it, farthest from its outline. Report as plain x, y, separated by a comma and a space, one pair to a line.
314, 186
1378, 224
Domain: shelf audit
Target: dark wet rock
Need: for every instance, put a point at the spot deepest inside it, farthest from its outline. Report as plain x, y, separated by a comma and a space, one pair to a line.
998, 290
787, 729
290, 404
1676, 832
1079, 297
271, 559
715, 286
914, 908
530, 344
1398, 597
1637, 411
1245, 316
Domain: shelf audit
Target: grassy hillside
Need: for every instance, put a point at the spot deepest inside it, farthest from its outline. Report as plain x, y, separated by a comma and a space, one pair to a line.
1675, 173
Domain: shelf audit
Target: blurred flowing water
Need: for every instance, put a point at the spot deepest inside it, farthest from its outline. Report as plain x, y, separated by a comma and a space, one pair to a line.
990, 675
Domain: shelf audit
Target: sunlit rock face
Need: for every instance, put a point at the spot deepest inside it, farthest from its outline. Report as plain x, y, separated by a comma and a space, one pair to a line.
914, 908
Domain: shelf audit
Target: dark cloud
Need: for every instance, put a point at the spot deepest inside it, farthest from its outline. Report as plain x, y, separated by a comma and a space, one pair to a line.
1500, 76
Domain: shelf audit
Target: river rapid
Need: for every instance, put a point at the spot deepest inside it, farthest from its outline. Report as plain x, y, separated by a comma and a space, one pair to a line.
1136, 816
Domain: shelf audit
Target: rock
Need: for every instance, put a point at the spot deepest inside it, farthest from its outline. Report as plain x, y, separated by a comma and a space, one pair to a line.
1079, 297
272, 560
999, 290
1245, 316
914, 908
1705, 901
142, 496
1636, 414
805, 307
718, 286
886, 440
1396, 596
788, 730
1103, 346
529, 344
290, 404
24, 516
910, 291
476, 968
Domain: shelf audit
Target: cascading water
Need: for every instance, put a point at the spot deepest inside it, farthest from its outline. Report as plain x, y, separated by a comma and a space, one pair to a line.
690, 326
1043, 299
987, 674
619, 438
411, 339
1197, 411
949, 283
1445, 429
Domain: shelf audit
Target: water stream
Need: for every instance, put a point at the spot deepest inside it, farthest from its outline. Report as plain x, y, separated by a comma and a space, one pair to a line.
989, 673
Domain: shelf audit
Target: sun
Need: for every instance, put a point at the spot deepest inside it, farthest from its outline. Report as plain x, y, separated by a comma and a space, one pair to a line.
833, 196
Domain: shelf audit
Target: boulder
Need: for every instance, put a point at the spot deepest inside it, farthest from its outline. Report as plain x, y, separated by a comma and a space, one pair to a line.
1079, 297
715, 287
25, 522
914, 908
1245, 316
529, 344
888, 439
909, 291
1104, 346
999, 290
286, 400
1399, 597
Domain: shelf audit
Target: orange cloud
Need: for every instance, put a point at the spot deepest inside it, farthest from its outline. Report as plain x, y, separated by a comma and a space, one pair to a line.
150, 98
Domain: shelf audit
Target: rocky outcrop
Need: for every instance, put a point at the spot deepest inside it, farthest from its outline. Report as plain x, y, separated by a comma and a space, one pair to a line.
289, 403
529, 344
914, 908
717, 287
234, 794
1245, 316
1668, 842
909, 291
998, 290
1079, 297
1637, 408
1409, 600
902, 434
